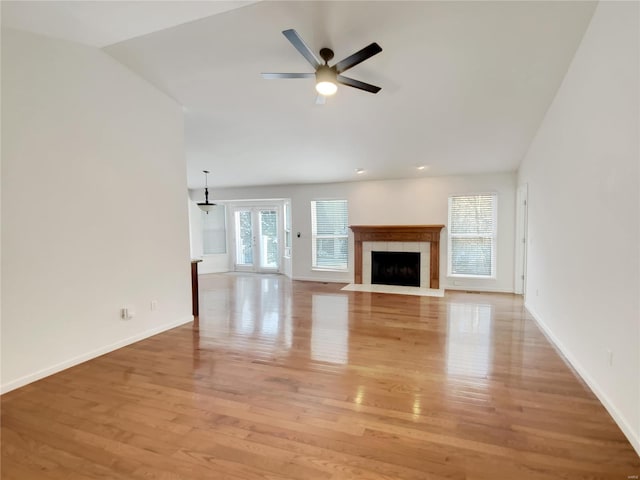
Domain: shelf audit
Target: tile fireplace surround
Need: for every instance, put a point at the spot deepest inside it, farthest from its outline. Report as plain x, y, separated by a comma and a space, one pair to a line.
398, 233
415, 247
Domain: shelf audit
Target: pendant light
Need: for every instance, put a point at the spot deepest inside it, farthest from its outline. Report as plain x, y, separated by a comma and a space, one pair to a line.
206, 206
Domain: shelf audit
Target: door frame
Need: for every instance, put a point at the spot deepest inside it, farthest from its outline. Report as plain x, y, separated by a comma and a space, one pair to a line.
255, 208
522, 239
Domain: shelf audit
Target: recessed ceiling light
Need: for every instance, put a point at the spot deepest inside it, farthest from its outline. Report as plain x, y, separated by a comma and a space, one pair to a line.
421, 167
359, 171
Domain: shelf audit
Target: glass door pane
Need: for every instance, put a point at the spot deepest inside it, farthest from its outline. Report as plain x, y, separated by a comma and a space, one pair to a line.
269, 252
244, 238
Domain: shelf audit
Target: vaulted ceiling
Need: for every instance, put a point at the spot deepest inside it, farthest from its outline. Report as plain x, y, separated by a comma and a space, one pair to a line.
464, 84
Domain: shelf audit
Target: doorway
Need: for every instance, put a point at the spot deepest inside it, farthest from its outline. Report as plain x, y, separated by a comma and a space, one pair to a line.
521, 239
257, 239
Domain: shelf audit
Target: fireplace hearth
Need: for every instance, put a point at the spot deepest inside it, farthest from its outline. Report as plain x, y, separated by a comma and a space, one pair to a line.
395, 268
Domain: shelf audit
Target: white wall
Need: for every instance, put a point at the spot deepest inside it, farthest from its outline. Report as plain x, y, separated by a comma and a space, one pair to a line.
582, 173
394, 202
93, 211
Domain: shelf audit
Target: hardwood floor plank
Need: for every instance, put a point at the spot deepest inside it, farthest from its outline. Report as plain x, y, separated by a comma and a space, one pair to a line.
281, 380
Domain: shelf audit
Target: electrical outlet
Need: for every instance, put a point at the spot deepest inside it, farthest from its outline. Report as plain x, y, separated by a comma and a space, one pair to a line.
154, 305
537, 293
610, 357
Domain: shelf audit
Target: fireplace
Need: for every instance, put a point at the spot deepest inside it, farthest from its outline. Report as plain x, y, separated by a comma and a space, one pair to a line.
395, 268
399, 238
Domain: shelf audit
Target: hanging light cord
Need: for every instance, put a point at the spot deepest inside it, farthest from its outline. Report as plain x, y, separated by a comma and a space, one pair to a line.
206, 187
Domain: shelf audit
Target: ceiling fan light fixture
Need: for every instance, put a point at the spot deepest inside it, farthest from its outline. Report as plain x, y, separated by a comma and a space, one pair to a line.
326, 80
326, 88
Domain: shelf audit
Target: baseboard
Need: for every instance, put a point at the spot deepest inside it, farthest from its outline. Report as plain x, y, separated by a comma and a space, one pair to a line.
206, 271
320, 280
458, 288
478, 289
633, 438
32, 377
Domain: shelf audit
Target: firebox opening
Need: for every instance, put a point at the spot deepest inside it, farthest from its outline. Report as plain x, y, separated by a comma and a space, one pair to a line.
395, 268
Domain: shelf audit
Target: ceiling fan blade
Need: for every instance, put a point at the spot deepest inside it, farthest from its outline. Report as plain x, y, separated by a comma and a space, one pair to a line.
321, 99
358, 57
302, 47
357, 84
273, 76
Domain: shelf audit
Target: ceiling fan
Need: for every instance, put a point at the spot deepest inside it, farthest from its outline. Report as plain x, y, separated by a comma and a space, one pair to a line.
327, 76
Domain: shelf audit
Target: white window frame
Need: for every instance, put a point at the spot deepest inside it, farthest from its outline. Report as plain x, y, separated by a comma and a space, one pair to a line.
315, 236
493, 236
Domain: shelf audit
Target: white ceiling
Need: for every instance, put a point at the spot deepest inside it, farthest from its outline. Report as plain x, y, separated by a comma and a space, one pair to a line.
464, 85
102, 23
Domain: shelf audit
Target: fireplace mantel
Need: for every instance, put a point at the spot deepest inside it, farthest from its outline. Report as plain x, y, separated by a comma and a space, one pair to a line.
399, 233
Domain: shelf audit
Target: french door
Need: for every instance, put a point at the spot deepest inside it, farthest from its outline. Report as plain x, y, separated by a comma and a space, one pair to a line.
257, 245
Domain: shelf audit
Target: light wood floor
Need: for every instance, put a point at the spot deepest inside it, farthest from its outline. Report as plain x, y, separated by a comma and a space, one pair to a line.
296, 380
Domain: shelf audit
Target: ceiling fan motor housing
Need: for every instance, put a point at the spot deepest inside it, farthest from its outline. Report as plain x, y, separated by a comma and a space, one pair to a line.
326, 54
325, 73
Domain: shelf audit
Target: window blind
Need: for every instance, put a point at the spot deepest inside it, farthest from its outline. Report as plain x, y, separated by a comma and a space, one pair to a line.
214, 232
472, 235
330, 234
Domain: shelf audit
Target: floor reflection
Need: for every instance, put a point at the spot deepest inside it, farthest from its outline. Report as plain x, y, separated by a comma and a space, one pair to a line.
236, 309
330, 328
417, 408
469, 335
359, 395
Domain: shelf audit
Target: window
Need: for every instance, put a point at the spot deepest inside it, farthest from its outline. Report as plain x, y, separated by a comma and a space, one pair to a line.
214, 232
329, 234
472, 235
